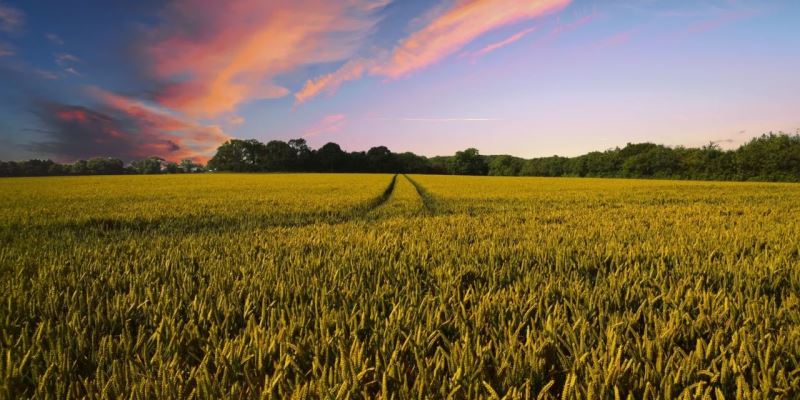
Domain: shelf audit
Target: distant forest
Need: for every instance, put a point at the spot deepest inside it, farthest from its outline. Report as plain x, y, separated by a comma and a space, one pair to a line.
770, 157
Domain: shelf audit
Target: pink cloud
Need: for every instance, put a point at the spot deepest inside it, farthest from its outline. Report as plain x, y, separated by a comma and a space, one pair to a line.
72, 115
63, 59
329, 124
505, 42
216, 55
329, 83
458, 26
155, 125
78, 132
235, 120
444, 34
11, 19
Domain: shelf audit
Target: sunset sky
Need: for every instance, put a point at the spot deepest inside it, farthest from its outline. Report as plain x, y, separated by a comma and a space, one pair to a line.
527, 78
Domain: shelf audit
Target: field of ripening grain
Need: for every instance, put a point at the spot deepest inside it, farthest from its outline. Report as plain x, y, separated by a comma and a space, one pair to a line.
381, 286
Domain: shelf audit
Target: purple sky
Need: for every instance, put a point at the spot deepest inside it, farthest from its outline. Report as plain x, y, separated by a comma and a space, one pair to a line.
527, 78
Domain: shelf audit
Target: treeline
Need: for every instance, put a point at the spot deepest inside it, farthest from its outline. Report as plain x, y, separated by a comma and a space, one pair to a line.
97, 166
296, 156
770, 157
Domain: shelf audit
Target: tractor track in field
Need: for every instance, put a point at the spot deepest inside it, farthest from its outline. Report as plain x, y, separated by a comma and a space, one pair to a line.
384, 197
428, 201
193, 224
384, 205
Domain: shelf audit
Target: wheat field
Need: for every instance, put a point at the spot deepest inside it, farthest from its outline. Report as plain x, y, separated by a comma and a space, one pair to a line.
348, 286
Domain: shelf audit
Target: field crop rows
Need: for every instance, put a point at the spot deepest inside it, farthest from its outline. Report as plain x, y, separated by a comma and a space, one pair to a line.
374, 286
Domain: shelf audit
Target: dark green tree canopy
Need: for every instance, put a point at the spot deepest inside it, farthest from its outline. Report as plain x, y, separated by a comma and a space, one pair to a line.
770, 157
151, 165
468, 162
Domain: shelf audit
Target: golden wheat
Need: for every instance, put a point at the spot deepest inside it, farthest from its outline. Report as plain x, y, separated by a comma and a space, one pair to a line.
374, 286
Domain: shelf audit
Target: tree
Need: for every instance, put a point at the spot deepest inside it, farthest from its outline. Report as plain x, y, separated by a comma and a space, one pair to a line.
79, 168
330, 157
707, 162
356, 161
381, 159
411, 163
770, 157
32, 167
303, 155
552, 166
171, 168
188, 166
8, 168
468, 162
505, 166
440, 164
597, 163
150, 165
105, 166
239, 156
55, 169
280, 156
655, 161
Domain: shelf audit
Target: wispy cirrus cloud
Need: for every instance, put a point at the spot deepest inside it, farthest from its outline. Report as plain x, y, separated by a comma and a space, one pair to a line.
329, 124
67, 61
496, 45
458, 26
11, 19
54, 39
62, 59
446, 32
213, 56
329, 83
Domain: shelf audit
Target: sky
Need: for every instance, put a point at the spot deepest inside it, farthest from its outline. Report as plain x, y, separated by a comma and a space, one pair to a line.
175, 79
